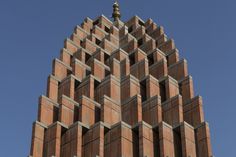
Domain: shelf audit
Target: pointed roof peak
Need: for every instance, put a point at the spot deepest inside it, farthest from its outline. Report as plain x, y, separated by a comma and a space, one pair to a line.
116, 11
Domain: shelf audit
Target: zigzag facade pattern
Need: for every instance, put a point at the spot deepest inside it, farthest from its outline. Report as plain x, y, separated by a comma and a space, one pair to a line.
120, 90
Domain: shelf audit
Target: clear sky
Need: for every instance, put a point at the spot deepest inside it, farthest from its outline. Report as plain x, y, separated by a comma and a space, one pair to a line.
32, 33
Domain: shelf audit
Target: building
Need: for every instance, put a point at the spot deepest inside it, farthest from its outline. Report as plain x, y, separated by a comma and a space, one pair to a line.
120, 90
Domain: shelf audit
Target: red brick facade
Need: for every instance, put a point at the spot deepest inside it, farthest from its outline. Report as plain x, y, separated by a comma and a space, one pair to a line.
120, 90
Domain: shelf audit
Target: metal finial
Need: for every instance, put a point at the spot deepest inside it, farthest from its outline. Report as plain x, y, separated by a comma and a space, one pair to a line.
116, 11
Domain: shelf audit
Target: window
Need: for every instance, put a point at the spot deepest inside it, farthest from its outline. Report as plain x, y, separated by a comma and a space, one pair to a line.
177, 141
130, 29
87, 56
106, 56
98, 41
150, 59
71, 59
106, 59
143, 90
162, 91
77, 83
88, 72
167, 59
69, 72
107, 72
97, 114
107, 29
132, 59
96, 83
140, 23
96, 22
81, 42
140, 42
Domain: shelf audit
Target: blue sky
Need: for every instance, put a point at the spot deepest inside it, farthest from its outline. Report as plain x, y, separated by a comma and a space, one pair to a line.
32, 34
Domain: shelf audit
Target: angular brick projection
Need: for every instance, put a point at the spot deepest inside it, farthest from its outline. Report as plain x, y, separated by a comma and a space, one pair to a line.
119, 89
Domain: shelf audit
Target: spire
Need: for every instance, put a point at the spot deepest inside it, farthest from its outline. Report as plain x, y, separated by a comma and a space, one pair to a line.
116, 11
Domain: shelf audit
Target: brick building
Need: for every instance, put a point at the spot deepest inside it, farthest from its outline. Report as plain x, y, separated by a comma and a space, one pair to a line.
119, 89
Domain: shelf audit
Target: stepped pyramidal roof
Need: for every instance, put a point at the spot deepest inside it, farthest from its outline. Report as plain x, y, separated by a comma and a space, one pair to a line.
120, 89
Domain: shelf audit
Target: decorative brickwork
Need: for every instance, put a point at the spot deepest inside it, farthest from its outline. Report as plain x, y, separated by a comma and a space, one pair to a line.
120, 90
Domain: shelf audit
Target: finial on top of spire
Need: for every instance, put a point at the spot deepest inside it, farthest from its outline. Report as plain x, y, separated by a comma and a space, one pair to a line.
116, 11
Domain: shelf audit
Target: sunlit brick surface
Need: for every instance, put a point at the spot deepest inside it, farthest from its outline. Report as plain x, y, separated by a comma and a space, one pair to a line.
120, 90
